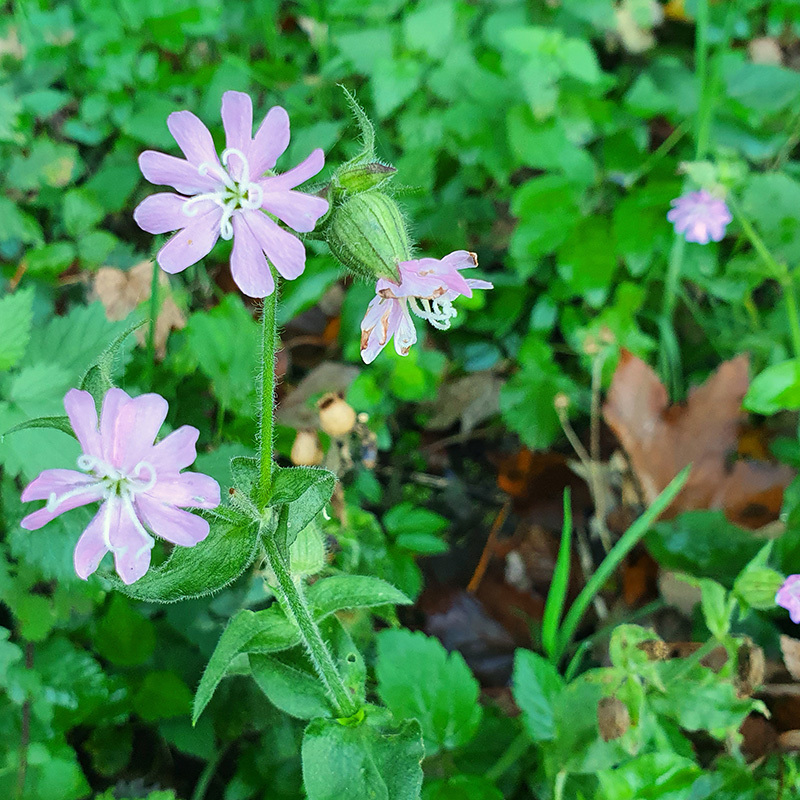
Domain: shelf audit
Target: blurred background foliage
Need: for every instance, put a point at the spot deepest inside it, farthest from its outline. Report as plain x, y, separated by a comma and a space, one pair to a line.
547, 137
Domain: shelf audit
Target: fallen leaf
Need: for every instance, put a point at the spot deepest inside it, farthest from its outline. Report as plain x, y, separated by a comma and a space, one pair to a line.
121, 291
297, 409
791, 655
469, 400
660, 439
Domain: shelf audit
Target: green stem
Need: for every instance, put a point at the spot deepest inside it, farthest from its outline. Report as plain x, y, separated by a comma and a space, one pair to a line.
151, 327
513, 753
701, 67
207, 774
780, 272
294, 604
266, 396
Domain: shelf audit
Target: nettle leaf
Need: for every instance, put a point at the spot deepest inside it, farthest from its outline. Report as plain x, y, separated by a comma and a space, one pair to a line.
376, 759
270, 631
536, 686
418, 678
16, 316
206, 568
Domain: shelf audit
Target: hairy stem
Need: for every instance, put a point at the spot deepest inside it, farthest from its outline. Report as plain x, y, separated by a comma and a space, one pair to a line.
151, 326
291, 598
266, 396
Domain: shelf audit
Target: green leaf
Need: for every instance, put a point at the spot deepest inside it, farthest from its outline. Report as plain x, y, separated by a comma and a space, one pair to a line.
288, 680
49, 260
58, 423
461, 787
430, 28
376, 760
248, 632
536, 685
406, 518
299, 493
775, 389
417, 678
209, 566
123, 636
16, 316
97, 379
657, 776
162, 695
339, 592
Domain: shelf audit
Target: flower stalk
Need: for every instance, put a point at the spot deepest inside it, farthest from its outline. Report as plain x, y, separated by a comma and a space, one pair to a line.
266, 396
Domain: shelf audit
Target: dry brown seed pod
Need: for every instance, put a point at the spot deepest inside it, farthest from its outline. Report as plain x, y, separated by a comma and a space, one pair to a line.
336, 416
306, 451
613, 718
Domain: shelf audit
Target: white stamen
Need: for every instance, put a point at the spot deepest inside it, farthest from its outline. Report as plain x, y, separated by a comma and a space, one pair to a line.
218, 172
149, 482
109, 505
149, 541
438, 312
190, 207
55, 500
233, 151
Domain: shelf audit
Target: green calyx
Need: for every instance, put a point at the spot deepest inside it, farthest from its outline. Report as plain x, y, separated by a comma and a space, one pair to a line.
757, 587
367, 233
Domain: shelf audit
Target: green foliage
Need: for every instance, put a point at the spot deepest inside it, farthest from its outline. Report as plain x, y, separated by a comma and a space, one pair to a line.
537, 684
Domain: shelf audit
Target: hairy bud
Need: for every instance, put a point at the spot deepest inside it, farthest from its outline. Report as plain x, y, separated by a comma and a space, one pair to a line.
357, 178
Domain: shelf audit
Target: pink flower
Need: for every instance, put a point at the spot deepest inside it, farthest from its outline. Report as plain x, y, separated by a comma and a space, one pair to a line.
788, 597
139, 484
428, 287
700, 217
227, 196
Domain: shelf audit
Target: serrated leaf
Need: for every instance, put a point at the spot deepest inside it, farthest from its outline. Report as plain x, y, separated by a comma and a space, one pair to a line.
16, 315
376, 759
201, 570
418, 678
537, 684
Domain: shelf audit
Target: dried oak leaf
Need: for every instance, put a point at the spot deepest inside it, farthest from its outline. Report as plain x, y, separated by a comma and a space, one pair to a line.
120, 291
660, 439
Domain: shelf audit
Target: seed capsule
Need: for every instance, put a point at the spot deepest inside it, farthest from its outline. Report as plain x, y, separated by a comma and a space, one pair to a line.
336, 417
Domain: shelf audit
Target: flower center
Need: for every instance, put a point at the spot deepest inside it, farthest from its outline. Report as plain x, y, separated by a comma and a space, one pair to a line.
116, 487
233, 196
438, 311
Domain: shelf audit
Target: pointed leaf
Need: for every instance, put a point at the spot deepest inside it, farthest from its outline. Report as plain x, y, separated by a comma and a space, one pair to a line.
59, 423
352, 591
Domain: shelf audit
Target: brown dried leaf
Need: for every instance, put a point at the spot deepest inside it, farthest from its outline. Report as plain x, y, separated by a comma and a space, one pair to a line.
660, 439
296, 411
121, 291
469, 400
791, 655
613, 718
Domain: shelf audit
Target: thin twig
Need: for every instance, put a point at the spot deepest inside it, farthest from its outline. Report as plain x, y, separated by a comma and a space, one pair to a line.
486, 555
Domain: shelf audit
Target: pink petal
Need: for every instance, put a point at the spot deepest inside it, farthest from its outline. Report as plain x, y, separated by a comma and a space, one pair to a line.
294, 177
163, 212
298, 210
189, 490
113, 402
91, 547
270, 142
194, 242
82, 413
164, 170
131, 546
249, 267
237, 119
41, 517
375, 327
56, 481
476, 283
193, 138
405, 334
176, 451
172, 524
285, 251
460, 259
136, 428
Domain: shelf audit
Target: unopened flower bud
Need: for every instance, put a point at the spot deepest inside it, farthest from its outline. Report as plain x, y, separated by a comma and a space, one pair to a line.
757, 586
306, 451
336, 416
367, 233
363, 177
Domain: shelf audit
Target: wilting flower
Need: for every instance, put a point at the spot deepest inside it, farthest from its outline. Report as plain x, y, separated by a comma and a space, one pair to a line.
788, 597
428, 287
140, 485
227, 196
700, 216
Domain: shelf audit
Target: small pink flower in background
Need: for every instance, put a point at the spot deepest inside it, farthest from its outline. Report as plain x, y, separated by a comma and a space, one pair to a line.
140, 484
428, 287
227, 196
788, 597
700, 216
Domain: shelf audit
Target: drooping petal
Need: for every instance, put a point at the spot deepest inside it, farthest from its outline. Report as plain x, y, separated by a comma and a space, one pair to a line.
477, 283
375, 327
249, 267
175, 452
82, 413
55, 481
164, 212
285, 251
270, 141
164, 170
187, 490
237, 119
191, 244
405, 334
131, 545
91, 547
88, 494
298, 210
136, 428
461, 259
193, 138
170, 523
294, 177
